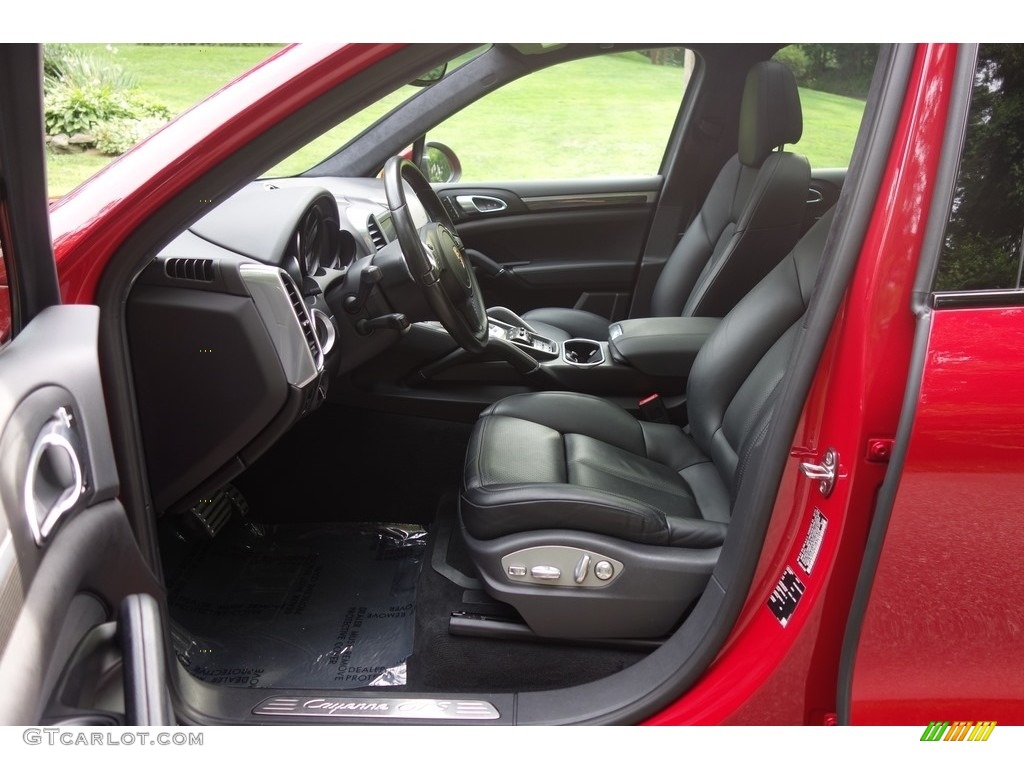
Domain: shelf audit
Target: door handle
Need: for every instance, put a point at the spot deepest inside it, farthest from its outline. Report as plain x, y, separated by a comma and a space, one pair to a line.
55, 482
481, 203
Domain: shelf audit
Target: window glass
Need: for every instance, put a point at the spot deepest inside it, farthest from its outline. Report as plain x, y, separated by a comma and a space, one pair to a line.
102, 99
604, 116
344, 132
982, 247
833, 81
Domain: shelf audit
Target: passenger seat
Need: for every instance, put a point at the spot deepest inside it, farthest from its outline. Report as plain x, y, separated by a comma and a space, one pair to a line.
750, 220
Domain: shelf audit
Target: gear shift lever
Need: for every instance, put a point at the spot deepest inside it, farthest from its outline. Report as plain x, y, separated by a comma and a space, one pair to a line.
510, 327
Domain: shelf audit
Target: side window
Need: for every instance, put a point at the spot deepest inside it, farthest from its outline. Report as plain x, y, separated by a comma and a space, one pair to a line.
982, 248
605, 116
833, 81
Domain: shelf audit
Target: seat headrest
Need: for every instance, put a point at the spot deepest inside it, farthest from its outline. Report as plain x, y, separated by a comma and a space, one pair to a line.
770, 112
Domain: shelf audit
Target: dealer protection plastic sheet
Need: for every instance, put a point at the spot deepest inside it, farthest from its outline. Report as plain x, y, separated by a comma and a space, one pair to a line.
299, 607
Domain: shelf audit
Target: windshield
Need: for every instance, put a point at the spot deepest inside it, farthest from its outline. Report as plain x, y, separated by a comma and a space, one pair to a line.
344, 132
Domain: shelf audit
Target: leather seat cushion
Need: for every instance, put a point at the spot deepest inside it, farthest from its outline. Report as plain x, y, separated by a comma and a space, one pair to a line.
557, 460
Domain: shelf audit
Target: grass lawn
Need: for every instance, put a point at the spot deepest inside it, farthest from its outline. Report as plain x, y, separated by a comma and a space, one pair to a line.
554, 123
181, 75
177, 75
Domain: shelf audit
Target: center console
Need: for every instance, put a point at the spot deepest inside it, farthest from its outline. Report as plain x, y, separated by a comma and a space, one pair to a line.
535, 345
428, 373
639, 357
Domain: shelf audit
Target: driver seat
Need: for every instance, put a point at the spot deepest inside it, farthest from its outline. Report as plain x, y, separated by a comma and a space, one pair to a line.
592, 523
751, 218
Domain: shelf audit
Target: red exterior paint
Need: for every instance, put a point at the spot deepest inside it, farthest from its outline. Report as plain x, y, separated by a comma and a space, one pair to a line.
944, 620
766, 673
91, 222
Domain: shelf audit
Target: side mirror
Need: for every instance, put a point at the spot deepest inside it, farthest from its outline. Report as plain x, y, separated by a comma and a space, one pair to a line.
431, 76
440, 164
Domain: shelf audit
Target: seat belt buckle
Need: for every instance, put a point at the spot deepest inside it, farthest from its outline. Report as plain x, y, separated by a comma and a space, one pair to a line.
652, 408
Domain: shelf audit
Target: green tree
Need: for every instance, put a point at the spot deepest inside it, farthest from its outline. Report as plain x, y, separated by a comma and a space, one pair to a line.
841, 68
982, 248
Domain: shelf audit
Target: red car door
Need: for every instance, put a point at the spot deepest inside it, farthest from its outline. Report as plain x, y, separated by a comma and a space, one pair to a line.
68, 559
937, 628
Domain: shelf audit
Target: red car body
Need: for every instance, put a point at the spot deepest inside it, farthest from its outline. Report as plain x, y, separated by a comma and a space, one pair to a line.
940, 637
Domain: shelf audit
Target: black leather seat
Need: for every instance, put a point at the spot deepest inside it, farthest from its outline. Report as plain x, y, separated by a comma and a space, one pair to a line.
592, 523
750, 219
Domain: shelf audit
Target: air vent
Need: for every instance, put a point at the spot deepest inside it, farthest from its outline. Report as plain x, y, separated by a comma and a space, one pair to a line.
190, 269
379, 241
308, 331
277, 297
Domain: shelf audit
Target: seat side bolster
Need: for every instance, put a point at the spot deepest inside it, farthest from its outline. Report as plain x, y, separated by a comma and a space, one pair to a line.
498, 510
778, 197
697, 244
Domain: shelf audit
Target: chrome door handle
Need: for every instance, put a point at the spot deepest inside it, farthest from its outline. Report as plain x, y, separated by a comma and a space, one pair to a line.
56, 481
481, 203
825, 472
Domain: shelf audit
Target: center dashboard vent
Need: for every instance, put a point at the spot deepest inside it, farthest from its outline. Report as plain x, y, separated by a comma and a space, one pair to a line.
376, 235
200, 270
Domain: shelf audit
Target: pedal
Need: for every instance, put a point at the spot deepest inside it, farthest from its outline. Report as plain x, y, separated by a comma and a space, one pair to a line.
208, 518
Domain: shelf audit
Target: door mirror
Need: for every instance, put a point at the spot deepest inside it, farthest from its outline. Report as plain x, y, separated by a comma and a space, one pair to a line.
431, 76
440, 164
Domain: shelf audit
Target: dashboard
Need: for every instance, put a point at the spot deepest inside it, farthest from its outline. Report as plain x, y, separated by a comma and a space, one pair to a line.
238, 325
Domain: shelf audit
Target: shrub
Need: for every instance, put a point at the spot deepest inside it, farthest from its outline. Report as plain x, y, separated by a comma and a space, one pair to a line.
65, 64
115, 137
794, 57
55, 56
90, 94
78, 109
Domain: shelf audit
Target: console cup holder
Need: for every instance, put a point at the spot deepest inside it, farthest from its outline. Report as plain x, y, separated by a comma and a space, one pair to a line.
583, 353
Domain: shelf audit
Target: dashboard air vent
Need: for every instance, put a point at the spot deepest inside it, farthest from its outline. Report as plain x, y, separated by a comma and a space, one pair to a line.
308, 331
190, 269
379, 241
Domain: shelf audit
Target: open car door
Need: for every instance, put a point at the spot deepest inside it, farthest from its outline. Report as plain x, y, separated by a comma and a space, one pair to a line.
80, 637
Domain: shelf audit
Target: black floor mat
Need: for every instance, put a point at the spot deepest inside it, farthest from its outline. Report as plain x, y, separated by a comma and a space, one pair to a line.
326, 607
446, 663
350, 606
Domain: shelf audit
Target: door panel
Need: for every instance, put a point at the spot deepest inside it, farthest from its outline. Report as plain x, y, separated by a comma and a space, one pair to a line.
67, 554
940, 638
569, 243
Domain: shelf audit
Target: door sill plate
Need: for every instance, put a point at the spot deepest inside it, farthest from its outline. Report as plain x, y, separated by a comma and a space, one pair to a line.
376, 707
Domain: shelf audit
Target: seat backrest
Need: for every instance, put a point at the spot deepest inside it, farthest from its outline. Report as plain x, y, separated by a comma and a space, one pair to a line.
736, 376
754, 211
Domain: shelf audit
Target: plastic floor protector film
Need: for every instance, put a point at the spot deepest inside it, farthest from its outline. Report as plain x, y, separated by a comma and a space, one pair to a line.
298, 606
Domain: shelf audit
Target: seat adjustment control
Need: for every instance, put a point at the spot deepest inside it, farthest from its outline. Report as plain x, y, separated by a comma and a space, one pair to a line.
559, 565
546, 572
580, 573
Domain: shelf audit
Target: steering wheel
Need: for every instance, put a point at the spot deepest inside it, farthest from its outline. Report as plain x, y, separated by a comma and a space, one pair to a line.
436, 256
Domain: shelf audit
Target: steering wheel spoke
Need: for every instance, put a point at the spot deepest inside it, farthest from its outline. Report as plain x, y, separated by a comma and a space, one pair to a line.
436, 256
